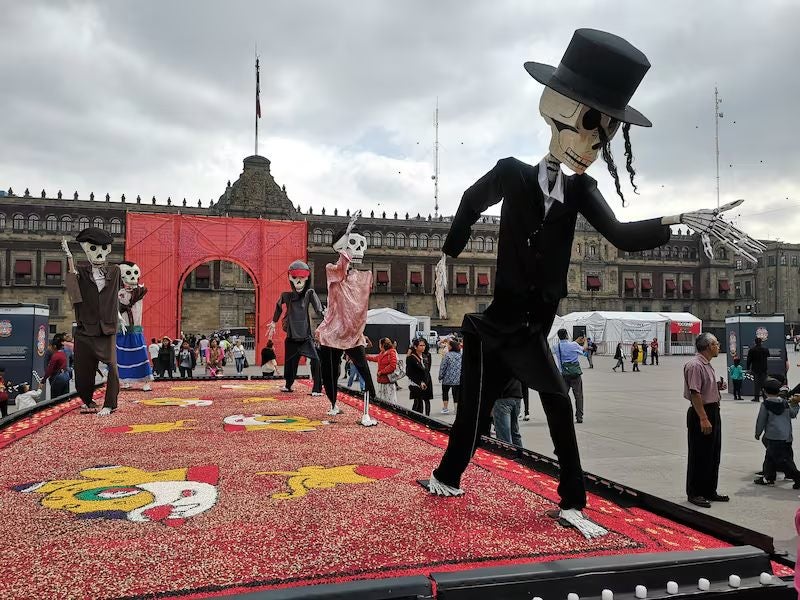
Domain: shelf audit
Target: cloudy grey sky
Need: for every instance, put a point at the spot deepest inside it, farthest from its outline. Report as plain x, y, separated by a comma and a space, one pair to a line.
157, 98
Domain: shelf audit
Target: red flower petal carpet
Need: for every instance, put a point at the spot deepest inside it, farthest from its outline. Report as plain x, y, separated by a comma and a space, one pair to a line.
200, 489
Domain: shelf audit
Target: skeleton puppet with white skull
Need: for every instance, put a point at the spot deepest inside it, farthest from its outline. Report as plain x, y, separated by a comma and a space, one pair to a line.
584, 102
132, 357
299, 337
94, 290
342, 329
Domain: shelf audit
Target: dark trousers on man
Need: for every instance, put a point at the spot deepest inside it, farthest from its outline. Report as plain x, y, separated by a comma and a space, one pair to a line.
779, 457
89, 351
316, 375
330, 358
294, 350
484, 376
702, 473
575, 383
654, 357
758, 384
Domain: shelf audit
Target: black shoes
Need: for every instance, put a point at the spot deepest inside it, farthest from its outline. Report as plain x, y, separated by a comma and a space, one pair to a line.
762, 481
579, 419
719, 498
700, 501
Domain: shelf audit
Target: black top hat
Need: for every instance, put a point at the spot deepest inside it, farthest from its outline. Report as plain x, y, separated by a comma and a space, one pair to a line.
600, 70
94, 235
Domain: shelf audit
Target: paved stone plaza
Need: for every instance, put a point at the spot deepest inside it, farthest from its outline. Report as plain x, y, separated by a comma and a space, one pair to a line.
634, 433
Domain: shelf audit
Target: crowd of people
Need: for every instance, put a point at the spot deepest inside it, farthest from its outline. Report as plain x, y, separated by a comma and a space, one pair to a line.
214, 354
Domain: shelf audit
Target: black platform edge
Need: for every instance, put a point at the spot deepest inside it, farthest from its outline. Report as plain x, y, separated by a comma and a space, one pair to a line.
621, 574
606, 488
397, 588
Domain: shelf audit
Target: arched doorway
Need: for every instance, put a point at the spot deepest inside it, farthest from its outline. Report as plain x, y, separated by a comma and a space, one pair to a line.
168, 247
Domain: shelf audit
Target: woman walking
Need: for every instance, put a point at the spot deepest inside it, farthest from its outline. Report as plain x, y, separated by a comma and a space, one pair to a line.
619, 356
635, 356
238, 355
450, 375
387, 364
214, 358
420, 387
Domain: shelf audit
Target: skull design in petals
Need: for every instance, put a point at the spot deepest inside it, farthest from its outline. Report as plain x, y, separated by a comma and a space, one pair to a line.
96, 254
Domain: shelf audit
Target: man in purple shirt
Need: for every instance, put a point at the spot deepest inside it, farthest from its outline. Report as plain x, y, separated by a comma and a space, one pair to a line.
701, 388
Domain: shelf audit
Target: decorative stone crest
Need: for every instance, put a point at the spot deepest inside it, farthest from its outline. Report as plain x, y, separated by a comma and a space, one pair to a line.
255, 193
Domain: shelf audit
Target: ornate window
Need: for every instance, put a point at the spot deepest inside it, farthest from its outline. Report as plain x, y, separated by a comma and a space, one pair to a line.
368, 236
377, 239
66, 224
693, 254
115, 226
413, 240
390, 240
19, 222
51, 223
578, 249
783, 260
423, 240
436, 241
401, 240
723, 253
33, 223
2, 221
83, 223
316, 237
489, 244
477, 246
98, 222
327, 237
592, 250
685, 252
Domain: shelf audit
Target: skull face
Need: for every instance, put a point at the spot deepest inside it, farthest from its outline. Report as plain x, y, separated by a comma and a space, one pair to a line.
130, 274
97, 254
354, 245
574, 126
298, 282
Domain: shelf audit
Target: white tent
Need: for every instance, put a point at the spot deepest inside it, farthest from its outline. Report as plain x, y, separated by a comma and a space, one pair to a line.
387, 322
608, 328
682, 329
558, 323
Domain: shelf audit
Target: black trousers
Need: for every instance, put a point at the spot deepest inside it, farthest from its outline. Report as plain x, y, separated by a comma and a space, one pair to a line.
737, 389
484, 375
446, 389
758, 383
654, 358
330, 358
702, 473
186, 372
293, 352
89, 351
779, 457
316, 375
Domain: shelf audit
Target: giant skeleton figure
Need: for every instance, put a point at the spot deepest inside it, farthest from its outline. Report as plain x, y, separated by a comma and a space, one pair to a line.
94, 290
299, 337
133, 360
584, 102
342, 329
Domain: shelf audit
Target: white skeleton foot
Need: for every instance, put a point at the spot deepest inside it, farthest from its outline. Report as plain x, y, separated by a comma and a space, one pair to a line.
334, 411
437, 488
104, 412
368, 421
588, 528
126, 386
146, 387
316, 393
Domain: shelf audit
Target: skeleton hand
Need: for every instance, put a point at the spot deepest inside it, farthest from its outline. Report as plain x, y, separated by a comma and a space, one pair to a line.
708, 222
68, 254
270, 330
440, 285
356, 216
123, 327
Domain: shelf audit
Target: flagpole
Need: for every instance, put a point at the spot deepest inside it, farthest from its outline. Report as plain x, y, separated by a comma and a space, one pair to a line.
257, 100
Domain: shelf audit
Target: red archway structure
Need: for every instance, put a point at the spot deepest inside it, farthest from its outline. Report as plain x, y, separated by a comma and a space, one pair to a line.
168, 247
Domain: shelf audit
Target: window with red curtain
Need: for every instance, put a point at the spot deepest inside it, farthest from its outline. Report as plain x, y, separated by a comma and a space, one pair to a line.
483, 279
461, 279
202, 272
382, 277
593, 283
724, 286
52, 272
22, 271
630, 284
686, 285
416, 278
646, 285
670, 285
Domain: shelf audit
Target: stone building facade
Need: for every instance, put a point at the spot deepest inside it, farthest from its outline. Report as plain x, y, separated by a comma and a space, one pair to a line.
403, 250
772, 285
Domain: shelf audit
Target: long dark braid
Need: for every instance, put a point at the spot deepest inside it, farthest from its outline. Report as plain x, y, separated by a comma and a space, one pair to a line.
608, 158
626, 128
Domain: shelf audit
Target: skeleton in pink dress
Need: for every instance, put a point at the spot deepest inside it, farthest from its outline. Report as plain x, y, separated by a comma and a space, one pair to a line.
342, 329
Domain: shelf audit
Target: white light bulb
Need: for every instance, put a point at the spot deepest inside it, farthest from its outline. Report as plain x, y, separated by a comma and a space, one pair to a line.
607, 595
573, 596
641, 592
765, 579
672, 587
703, 584
734, 581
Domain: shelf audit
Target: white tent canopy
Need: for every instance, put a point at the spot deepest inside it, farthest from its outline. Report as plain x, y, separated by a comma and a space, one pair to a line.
608, 328
390, 323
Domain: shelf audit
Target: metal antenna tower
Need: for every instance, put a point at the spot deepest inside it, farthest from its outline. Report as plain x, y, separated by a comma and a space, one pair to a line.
717, 116
436, 162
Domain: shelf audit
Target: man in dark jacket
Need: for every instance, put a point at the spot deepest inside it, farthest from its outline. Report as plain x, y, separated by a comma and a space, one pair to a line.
757, 365
94, 290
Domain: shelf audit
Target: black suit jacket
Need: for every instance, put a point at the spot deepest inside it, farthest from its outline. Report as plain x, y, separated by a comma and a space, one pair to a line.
533, 251
96, 313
